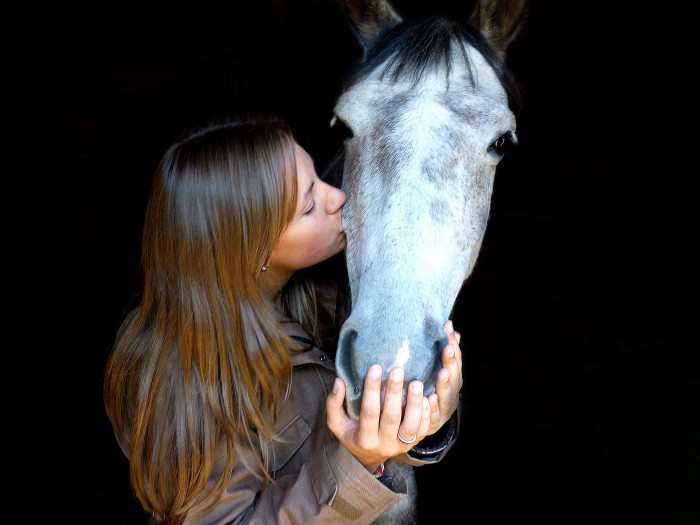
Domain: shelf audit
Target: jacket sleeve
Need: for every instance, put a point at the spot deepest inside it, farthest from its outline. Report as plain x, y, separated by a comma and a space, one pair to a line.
331, 488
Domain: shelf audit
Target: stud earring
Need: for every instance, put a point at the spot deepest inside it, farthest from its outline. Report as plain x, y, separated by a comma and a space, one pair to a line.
263, 268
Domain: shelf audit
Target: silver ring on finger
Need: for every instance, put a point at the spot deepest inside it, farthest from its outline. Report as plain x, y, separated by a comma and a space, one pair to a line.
406, 441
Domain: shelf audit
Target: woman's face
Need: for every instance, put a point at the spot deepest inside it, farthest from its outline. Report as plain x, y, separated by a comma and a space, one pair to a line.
316, 230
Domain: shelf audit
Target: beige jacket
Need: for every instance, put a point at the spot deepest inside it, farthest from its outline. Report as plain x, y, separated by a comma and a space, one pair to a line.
318, 480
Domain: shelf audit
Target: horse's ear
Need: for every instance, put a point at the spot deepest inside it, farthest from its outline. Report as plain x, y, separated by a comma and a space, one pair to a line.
500, 21
368, 18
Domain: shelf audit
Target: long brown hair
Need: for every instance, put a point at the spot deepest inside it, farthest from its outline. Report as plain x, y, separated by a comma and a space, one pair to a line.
198, 364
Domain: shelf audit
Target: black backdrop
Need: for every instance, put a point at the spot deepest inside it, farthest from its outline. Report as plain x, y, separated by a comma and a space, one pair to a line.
581, 406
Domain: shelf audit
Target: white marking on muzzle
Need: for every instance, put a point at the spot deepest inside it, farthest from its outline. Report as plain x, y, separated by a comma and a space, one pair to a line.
402, 356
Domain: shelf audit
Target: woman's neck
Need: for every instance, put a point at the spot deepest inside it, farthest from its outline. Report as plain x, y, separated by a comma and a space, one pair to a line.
272, 280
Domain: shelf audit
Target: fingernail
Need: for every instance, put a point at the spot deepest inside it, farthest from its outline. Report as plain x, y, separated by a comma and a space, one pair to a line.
417, 387
450, 328
458, 336
375, 372
397, 375
336, 385
450, 350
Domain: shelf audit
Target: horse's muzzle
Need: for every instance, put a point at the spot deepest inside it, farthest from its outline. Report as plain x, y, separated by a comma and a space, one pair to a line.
420, 360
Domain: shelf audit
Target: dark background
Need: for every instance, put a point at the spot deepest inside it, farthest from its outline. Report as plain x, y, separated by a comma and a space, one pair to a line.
581, 403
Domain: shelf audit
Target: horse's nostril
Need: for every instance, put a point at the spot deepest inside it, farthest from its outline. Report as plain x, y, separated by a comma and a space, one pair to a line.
345, 359
438, 347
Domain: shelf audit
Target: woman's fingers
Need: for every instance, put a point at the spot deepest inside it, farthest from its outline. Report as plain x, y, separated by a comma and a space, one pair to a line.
371, 407
397, 419
334, 404
427, 417
393, 403
445, 400
387, 426
402, 424
336, 418
409, 430
435, 419
452, 356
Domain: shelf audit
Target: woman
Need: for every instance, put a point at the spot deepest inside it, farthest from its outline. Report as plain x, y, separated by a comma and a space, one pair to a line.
226, 408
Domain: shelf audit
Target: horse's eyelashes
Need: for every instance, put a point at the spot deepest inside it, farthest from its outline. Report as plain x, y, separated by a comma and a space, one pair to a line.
502, 144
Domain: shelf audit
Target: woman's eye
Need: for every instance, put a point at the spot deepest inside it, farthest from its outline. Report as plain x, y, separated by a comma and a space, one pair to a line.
502, 144
311, 209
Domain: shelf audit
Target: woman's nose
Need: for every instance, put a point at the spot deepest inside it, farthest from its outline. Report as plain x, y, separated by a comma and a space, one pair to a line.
341, 197
336, 199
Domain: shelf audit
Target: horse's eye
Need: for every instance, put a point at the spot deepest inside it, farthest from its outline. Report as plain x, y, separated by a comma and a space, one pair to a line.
340, 129
502, 144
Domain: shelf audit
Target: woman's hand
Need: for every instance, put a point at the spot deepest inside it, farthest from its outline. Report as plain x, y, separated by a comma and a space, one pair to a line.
377, 435
445, 400
374, 438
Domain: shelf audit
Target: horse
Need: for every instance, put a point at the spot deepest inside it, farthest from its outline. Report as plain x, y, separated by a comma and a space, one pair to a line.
427, 114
